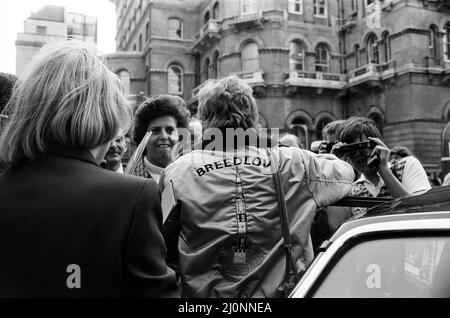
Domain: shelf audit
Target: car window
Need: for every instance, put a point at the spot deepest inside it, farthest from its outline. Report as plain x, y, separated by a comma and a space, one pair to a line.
394, 267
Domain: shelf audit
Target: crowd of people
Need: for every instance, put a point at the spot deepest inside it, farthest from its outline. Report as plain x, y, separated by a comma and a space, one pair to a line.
200, 212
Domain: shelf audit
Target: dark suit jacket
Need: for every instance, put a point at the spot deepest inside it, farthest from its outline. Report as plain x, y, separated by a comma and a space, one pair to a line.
62, 209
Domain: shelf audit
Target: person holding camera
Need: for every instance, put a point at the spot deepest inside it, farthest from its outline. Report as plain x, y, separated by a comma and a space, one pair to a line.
362, 146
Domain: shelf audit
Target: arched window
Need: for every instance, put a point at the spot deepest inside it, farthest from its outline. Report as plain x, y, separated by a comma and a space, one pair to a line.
207, 17
140, 42
376, 117
434, 44
206, 69
372, 49
356, 50
250, 57
322, 58
447, 41
175, 28
175, 80
215, 65
387, 47
319, 127
125, 78
147, 32
296, 57
299, 127
216, 11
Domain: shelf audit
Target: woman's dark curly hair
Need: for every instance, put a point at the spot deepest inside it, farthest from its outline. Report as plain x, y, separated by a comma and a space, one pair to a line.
156, 107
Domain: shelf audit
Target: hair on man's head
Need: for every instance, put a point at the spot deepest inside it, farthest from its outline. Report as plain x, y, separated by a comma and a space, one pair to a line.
334, 128
66, 98
228, 103
156, 107
357, 127
401, 151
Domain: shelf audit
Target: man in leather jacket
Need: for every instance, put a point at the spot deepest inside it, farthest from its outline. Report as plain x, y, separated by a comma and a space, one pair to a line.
223, 229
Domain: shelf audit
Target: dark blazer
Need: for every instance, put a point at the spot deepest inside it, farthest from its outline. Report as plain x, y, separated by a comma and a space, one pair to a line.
62, 209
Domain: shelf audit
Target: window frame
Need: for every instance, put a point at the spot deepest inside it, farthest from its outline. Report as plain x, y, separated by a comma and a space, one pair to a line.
319, 60
292, 4
248, 61
354, 241
318, 6
294, 61
250, 3
372, 49
179, 80
180, 28
446, 44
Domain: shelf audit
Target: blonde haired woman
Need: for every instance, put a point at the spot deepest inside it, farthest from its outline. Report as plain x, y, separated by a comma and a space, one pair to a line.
69, 228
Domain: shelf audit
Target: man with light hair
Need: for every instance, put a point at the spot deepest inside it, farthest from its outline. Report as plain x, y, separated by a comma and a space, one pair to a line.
223, 229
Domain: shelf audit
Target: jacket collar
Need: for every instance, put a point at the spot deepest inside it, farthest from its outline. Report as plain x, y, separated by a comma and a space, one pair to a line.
79, 154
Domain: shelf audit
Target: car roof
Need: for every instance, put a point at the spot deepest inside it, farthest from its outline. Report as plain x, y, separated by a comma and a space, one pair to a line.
434, 204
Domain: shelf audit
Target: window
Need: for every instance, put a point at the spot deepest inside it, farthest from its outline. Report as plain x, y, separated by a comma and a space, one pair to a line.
207, 17
125, 78
356, 50
41, 29
140, 42
376, 117
216, 11
296, 57
175, 28
320, 8
248, 6
215, 66
147, 32
387, 47
206, 69
372, 49
319, 127
433, 41
447, 41
296, 6
250, 58
406, 267
322, 58
175, 80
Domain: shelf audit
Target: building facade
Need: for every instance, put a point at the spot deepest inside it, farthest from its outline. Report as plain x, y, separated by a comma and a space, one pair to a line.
52, 24
309, 61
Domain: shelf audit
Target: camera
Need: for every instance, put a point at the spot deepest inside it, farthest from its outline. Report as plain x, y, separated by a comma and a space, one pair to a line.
372, 162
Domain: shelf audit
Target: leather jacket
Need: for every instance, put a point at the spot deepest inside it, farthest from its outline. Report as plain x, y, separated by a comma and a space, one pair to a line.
224, 233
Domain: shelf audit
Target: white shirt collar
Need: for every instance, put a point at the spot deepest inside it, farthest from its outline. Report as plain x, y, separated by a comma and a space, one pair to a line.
154, 171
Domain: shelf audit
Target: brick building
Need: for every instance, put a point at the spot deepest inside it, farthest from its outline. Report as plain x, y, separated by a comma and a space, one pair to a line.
309, 61
52, 24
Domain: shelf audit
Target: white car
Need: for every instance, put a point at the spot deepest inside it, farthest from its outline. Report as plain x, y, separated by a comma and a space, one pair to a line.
397, 249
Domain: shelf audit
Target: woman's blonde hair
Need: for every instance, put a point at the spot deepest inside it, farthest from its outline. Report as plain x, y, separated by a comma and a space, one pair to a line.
66, 98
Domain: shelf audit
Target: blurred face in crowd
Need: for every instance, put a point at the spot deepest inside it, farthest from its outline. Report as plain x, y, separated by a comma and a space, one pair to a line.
394, 157
358, 159
164, 137
117, 149
323, 148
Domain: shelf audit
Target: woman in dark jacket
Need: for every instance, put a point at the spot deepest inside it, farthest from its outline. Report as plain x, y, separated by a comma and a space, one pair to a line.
67, 227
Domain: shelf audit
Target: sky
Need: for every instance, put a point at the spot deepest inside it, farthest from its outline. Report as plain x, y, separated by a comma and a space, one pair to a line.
13, 13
